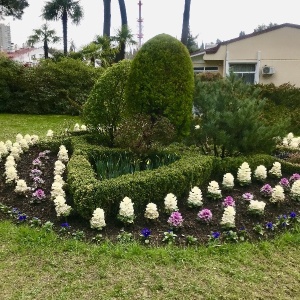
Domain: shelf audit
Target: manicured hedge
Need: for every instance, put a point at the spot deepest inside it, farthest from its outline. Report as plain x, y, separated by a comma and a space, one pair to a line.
149, 186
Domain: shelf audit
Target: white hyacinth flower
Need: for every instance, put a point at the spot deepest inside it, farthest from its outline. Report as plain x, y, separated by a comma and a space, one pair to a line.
151, 211
98, 219
170, 203
195, 197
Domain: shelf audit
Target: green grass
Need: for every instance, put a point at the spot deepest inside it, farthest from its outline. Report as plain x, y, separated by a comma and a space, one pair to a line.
46, 267
36, 264
12, 124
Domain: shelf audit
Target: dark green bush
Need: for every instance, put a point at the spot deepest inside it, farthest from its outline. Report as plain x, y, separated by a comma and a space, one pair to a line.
59, 87
232, 121
161, 82
283, 102
105, 105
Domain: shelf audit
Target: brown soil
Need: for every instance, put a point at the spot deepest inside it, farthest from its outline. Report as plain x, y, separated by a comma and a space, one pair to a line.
191, 227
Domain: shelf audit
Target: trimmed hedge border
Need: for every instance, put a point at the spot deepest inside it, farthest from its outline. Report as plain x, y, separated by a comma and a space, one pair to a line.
192, 169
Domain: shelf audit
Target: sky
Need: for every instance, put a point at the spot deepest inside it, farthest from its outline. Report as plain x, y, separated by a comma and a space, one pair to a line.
210, 20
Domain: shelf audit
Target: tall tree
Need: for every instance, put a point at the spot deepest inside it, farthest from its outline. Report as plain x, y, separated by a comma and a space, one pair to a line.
45, 35
13, 8
186, 22
124, 37
63, 10
107, 17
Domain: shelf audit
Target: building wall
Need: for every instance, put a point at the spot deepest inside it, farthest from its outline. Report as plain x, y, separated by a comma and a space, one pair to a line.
278, 48
5, 37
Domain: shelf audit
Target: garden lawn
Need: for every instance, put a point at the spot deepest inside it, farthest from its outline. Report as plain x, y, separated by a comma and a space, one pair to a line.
12, 124
38, 265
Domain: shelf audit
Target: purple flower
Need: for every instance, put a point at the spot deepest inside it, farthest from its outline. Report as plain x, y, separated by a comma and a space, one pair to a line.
145, 232
38, 180
22, 217
266, 190
270, 226
294, 177
65, 225
175, 219
293, 215
204, 215
284, 182
215, 234
37, 162
44, 154
35, 173
247, 196
228, 201
39, 194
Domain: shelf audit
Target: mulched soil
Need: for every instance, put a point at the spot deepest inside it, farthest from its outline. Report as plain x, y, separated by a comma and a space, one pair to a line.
45, 210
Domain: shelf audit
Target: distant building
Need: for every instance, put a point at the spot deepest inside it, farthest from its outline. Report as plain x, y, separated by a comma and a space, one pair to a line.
5, 37
27, 56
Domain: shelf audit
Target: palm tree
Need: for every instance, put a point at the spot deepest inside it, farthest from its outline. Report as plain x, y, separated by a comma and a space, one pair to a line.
123, 37
63, 9
107, 17
45, 35
123, 33
185, 22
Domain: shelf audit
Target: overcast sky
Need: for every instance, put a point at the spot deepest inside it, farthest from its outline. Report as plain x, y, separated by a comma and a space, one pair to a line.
210, 20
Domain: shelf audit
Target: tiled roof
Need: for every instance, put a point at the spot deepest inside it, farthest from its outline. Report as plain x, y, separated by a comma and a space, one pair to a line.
246, 36
19, 52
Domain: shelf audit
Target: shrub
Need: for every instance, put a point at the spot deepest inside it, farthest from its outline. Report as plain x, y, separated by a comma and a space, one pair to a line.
105, 105
51, 87
161, 83
231, 119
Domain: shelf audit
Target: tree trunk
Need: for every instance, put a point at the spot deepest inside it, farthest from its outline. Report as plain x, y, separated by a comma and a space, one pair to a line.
107, 17
65, 31
46, 49
186, 21
124, 22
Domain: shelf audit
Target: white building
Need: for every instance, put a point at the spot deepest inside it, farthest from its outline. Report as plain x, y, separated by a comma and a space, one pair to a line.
27, 56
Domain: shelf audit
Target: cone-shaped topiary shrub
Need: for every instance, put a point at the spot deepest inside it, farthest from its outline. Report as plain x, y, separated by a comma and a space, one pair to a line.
161, 83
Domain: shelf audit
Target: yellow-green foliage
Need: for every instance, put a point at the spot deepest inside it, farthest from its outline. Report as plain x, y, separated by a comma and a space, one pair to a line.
105, 105
161, 82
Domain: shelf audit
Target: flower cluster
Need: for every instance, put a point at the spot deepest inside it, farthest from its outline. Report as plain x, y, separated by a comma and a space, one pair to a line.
213, 190
38, 194
260, 173
204, 215
228, 201
244, 174
170, 203
21, 187
228, 218
61, 207
291, 141
77, 127
266, 190
49, 134
285, 184
175, 219
11, 174
228, 181
126, 211
3, 150
277, 194
98, 220
247, 196
63, 154
151, 211
145, 235
275, 171
294, 177
195, 197
295, 190
59, 168
257, 207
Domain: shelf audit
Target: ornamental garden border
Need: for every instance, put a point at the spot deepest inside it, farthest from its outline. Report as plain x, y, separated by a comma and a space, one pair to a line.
192, 169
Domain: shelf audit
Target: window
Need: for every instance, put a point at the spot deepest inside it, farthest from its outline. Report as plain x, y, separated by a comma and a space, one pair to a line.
244, 71
205, 69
